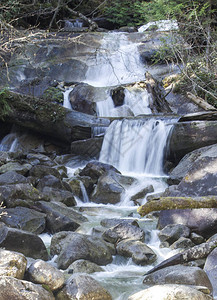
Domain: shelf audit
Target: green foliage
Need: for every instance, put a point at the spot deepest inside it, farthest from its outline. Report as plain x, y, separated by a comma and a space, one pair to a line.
5, 108
53, 94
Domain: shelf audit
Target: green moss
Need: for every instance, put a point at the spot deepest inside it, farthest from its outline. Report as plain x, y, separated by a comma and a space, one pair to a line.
5, 107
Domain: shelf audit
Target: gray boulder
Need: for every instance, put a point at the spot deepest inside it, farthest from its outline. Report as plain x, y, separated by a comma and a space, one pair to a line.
24, 242
95, 169
202, 221
12, 177
39, 171
122, 231
173, 232
141, 254
84, 266
141, 194
179, 274
211, 269
73, 246
84, 286
108, 190
43, 273
172, 292
25, 219
12, 288
114, 221
182, 243
58, 195
12, 264
59, 217
16, 167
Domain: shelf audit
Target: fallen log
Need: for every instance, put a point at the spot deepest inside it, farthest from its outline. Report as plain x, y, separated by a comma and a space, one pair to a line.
200, 102
165, 203
197, 252
47, 118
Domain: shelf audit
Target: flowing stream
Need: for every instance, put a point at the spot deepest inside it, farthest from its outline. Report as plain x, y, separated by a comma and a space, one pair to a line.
134, 146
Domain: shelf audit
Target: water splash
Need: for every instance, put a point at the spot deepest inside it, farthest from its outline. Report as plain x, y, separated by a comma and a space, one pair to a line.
136, 146
66, 101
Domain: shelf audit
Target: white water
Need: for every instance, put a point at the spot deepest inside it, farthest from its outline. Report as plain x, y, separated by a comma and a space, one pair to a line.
117, 62
136, 146
66, 101
9, 143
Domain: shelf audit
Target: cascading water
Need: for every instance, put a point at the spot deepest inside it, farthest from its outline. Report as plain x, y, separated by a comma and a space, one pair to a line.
117, 62
136, 146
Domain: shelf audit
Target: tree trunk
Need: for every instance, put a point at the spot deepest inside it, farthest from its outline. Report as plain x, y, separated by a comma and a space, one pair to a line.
165, 203
47, 118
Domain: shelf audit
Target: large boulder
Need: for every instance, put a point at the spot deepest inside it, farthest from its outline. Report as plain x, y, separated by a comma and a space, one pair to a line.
58, 195
12, 177
198, 172
12, 264
188, 136
16, 194
108, 190
89, 147
141, 254
84, 286
202, 221
73, 246
172, 292
59, 217
21, 241
25, 219
44, 273
122, 231
12, 288
179, 275
211, 269
16, 167
173, 232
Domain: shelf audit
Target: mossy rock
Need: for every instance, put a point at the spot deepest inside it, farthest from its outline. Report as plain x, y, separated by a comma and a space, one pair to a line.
53, 94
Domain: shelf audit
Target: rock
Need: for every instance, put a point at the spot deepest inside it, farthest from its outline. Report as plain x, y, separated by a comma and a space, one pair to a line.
202, 221
113, 222
39, 171
59, 217
82, 98
141, 194
73, 246
95, 169
59, 195
173, 232
89, 147
108, 190
84, 266
43, 273
189, 136
84, 286
24, 242
179, 274
196, 238
25, 219
12, 264
182, 243
16, 167
12, 177
172, 292
12, 195
197, 171
118, 95
76, 182
141, 254
122, 231
51, 181
12, 288
211, 269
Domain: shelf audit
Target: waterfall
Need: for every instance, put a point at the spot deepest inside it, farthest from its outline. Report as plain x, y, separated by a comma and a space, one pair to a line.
66, 101
116, 62
9, 142
136, 145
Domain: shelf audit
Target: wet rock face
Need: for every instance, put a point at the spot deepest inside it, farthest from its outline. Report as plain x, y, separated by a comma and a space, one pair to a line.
84, 286
141, 254
84, 266
173, 232
73, 246
179, 275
